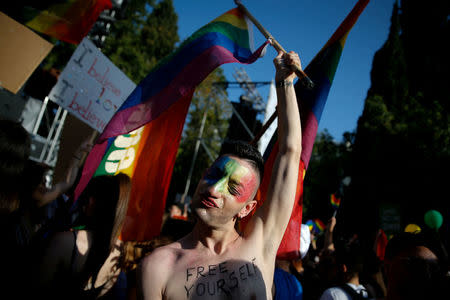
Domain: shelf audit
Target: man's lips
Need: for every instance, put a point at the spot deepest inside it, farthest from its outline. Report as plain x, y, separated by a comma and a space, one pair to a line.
209, 202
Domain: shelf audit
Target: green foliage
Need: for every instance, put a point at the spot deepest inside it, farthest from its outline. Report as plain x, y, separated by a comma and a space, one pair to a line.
327, 168
59, 56
146, 34
403, 136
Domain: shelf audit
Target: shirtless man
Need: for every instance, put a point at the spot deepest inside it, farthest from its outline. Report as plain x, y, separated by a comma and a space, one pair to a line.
215, 261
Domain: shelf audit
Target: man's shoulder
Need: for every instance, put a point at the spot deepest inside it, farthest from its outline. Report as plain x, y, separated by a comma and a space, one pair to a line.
163, 257
334, 293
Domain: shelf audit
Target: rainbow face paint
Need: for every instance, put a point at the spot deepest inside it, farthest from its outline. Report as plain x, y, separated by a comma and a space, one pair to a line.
231, 178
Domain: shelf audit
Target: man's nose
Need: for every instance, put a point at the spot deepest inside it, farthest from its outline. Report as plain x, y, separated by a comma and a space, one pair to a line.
217, 187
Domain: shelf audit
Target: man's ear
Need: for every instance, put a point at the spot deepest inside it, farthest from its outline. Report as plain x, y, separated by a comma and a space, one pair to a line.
247, 209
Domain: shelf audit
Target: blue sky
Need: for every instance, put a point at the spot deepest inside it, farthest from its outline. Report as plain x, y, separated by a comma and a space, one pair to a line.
305, 26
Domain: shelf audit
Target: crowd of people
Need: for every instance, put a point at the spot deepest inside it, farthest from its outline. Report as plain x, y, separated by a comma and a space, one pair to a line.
57, 248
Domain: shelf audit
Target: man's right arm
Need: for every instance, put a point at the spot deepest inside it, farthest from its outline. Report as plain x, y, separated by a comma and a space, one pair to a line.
273, 216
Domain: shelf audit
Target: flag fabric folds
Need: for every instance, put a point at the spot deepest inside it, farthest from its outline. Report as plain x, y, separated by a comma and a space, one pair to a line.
66, 20
321, 70
224, 40
156, 111
147, 155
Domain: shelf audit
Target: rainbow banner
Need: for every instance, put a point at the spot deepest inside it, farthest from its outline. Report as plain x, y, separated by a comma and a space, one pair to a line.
335, 201
66, 20
161, 101
224, 40
321, 70
145, 155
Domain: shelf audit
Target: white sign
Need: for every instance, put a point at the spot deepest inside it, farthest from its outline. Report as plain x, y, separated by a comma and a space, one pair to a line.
91, 87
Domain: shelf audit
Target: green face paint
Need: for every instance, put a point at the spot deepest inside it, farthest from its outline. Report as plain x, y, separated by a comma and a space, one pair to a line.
229, 177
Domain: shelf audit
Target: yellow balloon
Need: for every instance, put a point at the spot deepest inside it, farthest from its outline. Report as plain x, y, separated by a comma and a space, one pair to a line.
413, 228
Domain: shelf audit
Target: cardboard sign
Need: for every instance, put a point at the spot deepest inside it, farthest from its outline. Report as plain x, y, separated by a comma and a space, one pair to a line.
91, 87
21, 52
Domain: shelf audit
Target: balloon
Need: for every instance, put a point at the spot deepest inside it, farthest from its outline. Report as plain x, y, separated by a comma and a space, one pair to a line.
413, 228
433, 219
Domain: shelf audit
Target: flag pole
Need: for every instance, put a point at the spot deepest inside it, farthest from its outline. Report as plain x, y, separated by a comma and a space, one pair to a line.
304, 79
264, 128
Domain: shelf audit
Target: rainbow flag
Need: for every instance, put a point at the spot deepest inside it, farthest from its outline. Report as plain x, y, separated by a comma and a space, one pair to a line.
321, 70
335, 201
316, 226
161, 101
224, 40
310, 224
66, 20
319, 226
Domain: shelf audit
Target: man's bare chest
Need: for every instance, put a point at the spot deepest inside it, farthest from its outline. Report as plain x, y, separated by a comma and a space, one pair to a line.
226, 278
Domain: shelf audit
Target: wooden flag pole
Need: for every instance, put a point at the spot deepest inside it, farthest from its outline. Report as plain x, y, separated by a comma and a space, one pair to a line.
304, 79
264, 128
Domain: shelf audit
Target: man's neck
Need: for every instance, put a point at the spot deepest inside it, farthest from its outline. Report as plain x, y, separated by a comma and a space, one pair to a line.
354, 280
217, 240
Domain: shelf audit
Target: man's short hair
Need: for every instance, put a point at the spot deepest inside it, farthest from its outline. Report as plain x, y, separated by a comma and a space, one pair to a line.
246, 151
351, 255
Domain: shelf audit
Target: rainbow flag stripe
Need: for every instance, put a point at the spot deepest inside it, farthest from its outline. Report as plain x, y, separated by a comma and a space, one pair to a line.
321, 70
224, 40
335, 201
316, 226
142, 138
66, 20
310, 224
319, 225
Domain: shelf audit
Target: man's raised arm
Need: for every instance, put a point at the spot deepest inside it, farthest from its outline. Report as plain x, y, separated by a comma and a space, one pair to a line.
275, 213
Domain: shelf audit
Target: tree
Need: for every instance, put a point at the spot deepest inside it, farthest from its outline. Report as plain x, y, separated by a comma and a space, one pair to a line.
328, 166
145, 36
136, 43
403, 136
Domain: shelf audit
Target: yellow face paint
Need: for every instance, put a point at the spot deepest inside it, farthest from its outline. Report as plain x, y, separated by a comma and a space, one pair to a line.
228, 176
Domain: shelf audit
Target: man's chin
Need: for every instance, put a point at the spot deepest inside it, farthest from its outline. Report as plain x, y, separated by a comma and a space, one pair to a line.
203, 215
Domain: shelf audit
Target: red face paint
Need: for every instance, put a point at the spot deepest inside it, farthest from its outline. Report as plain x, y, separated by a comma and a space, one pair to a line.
230, 177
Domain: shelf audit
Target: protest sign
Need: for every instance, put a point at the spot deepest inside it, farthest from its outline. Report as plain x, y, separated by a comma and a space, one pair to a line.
91, 87
21, 52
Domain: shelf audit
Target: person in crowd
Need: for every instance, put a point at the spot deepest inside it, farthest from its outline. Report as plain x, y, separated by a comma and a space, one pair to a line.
83, 263
36, 212
15, 149
307, 274
328, 244
286, 283
178, 211
347, 266
414, 268
372, 275
215, 260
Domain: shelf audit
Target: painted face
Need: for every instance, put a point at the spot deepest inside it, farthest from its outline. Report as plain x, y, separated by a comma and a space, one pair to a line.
229, 177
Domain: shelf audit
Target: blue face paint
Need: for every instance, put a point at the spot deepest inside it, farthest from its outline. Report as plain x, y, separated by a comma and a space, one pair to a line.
228, 176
